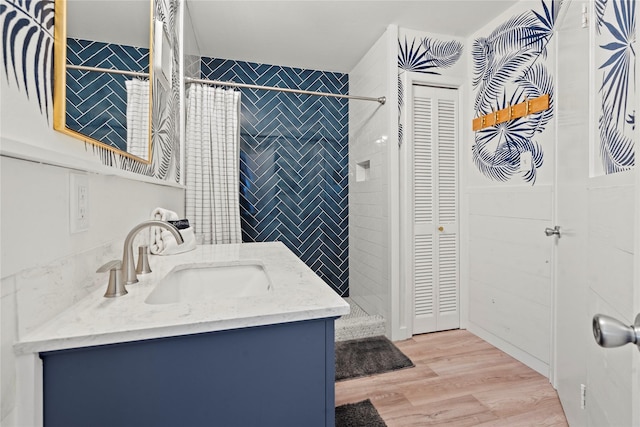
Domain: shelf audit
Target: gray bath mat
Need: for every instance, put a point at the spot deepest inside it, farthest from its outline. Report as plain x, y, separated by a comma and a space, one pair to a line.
361, 414
368, 356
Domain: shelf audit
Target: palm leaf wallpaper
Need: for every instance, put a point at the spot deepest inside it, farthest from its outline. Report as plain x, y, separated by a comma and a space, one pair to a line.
428, 55
509, 68
165, 137
601, 7
616, 147
27, 48
425, 55
27, 56
615, 59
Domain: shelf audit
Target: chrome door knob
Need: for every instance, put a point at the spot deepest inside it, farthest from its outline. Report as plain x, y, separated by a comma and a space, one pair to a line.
609, 332
555, 231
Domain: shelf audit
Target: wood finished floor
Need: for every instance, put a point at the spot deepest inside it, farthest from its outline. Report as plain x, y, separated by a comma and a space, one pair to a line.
459, 380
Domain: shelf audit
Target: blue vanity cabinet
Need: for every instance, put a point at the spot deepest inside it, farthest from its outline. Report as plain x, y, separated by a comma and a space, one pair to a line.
276, 375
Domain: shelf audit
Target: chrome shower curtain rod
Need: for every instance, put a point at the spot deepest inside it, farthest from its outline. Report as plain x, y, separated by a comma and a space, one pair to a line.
381, 99
108, 70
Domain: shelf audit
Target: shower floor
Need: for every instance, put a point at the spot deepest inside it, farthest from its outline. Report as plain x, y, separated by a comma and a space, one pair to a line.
358, 324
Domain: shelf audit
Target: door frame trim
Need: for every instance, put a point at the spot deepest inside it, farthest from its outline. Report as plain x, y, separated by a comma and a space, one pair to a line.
635, 386
402, 329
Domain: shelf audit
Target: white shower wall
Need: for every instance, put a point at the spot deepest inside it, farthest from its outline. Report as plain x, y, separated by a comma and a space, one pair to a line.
373, 138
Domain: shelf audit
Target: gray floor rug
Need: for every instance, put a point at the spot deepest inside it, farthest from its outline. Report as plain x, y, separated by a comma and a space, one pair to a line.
368, 356
361, 414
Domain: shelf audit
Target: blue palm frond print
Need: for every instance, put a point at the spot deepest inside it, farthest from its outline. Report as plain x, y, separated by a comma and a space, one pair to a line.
517, 33
523, 127
411, 58
550, 17
527, 32
497, 164
535, 82
546, 24
617, 27
507, 42
498, 76
400, 93
502, 162
507, 71
601, 6
483, 57
617, 150
498, 149
442, 54
631, 119
547, 21
27, 35
617, 68
423, 56
428, 54
162, 129
400, 106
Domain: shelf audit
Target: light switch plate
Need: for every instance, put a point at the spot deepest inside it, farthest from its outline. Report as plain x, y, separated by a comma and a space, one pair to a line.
78, 202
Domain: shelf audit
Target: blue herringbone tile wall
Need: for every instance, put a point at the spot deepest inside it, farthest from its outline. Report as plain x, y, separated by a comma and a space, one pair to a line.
293, 160
97, 102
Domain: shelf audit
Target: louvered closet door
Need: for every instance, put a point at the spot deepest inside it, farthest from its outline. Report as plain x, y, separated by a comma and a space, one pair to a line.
435, 209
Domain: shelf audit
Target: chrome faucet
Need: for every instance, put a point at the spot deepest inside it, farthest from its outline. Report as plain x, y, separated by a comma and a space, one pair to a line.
128, 268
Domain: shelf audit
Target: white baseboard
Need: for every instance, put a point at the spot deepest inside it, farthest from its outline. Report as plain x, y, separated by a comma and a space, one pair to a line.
513, 351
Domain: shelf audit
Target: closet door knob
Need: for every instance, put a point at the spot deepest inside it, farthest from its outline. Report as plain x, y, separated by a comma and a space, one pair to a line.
441, 228
555, 231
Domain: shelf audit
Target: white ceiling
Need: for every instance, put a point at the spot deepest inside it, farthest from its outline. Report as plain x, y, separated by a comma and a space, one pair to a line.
324, 35
321, 35
115, 21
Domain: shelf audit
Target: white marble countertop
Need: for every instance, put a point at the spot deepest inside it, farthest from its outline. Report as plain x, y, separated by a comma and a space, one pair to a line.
298, 294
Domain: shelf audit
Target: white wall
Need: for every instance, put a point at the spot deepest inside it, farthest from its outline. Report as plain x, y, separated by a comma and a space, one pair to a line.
506, 260
44, 268
372, 136
508, 257
509, 271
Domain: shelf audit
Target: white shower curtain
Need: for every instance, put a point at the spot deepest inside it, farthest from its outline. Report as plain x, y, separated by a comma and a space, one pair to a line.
213, 164
138, 117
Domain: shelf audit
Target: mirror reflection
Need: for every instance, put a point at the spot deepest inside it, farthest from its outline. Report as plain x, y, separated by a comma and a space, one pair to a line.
110, 109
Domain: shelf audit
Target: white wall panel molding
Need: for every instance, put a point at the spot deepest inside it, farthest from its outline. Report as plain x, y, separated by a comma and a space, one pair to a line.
513, 351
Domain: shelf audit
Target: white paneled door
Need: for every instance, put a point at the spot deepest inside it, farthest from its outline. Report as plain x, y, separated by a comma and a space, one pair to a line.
433, 143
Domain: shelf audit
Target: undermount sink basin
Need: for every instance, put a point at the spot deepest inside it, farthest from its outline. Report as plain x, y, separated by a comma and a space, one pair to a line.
210, 282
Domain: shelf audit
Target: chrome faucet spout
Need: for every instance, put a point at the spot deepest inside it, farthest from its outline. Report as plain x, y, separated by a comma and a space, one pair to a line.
128, 267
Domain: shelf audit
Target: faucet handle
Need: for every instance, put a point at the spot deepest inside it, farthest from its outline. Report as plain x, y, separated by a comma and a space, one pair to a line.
143, 260
116, 287
111, 265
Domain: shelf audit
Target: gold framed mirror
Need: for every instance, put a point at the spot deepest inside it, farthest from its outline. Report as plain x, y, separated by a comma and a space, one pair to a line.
103, 74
